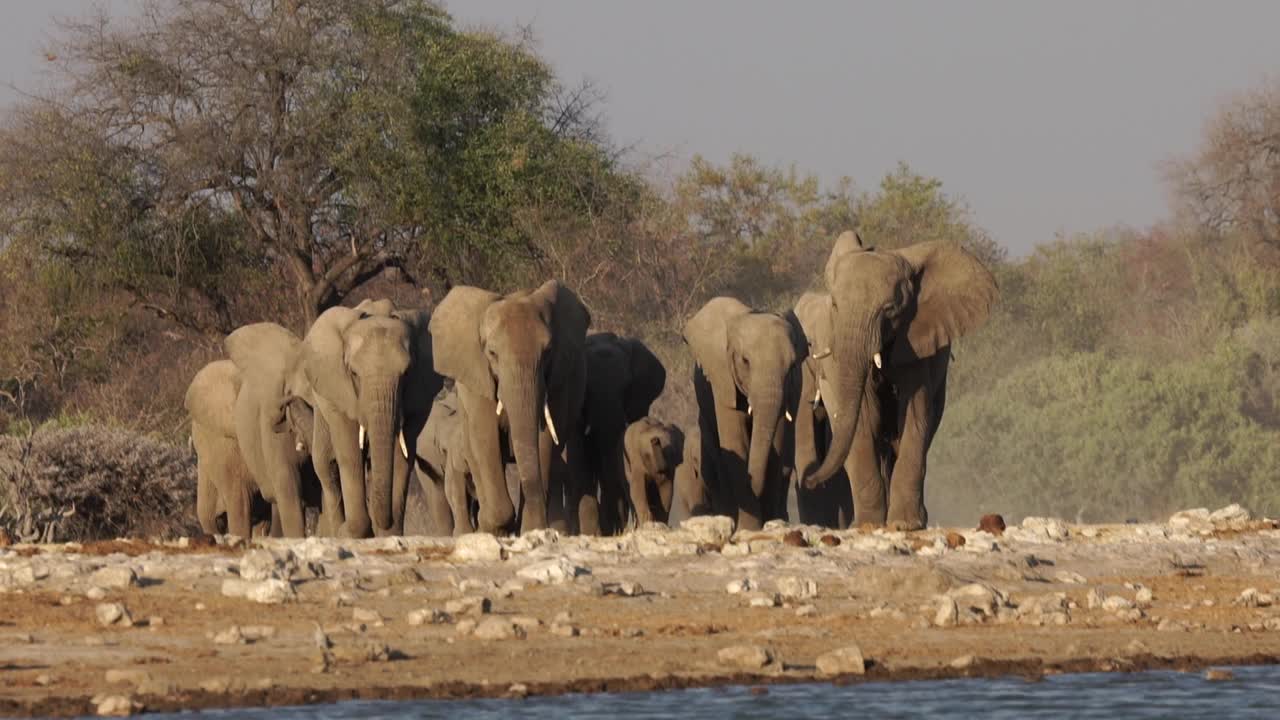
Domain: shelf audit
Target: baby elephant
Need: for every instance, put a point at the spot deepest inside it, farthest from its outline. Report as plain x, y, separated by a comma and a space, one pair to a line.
651, 452
443, 470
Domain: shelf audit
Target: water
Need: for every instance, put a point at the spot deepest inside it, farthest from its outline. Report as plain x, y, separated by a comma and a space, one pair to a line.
1254, 693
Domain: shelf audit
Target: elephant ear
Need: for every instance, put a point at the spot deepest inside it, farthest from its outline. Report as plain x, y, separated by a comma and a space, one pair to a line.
954, 295
324, 358
422, 382
569, 322
707, 334
263, 350
648, 378
456, 350
848, 242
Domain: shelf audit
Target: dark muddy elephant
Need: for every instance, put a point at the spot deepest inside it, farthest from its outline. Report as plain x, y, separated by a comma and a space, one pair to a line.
623, 379
891, 320
748, 382
519, 368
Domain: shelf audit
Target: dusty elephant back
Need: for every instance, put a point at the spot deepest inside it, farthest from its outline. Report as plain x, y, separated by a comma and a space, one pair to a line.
211, 397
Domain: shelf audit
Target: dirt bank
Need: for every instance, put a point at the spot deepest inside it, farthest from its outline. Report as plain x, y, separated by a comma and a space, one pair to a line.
320, 621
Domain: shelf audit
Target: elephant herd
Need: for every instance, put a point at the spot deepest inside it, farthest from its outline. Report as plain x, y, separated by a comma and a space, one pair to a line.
850, 382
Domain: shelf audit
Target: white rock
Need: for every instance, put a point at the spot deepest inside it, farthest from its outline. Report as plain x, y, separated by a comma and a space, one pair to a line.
265, 564
845, 661
477, 547
1143, 597
116, 706
765, 600
555, 570
964, 662
112, 614
322, 550
116, 577
740, 586
977, 598
1231, 515
794, 588
534, 539
1069, 578
270, 592
735, 549
1047, 528
979, 542
1093, 599
709, 529
428, 617
1190, 519
1116, 602
948, 613
230, 636
95, 593
747, 657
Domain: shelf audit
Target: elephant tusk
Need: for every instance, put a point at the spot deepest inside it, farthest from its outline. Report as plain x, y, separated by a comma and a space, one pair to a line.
748, 409
404, 448
789, 418
298, 446
821, 354
587, 432
876, 360
361, 437
817, 396
551, 427
499, 410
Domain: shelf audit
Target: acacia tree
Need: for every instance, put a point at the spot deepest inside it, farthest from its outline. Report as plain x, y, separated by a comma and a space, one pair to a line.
1232, 184
309, 144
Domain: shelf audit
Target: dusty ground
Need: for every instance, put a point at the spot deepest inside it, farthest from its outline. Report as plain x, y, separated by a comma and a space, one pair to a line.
648, 610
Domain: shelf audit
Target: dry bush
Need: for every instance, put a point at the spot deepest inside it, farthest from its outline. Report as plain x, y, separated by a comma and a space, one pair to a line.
117, 482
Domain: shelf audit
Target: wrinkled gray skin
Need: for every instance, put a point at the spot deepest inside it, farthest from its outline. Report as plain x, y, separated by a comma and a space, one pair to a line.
905, 307
652, 452
220, 469
522, 354
623, 379
371, 367
444, 471
692, 496
747, 380
267, 429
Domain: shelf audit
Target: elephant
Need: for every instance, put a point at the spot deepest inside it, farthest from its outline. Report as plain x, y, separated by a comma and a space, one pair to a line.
623, 379
519, 366
221, 472
891, 320
831, 504
443, 469
369, 374
747, 379
692, 491
271, 429
652, 450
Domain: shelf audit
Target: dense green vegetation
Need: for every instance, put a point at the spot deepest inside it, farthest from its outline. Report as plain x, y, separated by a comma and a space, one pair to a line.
165, 194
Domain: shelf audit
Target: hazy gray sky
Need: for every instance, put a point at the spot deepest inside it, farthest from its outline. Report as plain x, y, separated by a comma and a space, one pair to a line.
1046, 117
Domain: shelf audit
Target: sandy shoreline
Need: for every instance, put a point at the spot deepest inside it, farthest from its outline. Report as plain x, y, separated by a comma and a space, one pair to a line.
143, 626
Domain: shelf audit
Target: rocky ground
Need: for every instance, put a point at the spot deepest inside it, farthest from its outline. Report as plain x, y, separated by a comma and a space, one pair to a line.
119, 627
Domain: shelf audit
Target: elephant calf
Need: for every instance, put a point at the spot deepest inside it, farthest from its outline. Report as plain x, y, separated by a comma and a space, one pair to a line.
443, 470
652, 451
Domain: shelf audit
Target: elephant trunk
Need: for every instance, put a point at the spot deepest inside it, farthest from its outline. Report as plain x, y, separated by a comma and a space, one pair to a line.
853, 347
382, 422
523, 395
766, 413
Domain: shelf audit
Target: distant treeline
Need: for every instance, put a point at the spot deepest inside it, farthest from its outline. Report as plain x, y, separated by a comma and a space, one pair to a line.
220, 162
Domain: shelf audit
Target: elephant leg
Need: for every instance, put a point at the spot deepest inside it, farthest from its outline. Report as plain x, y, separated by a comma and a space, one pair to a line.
919, 413
496, 510
636, 484
277, 529
777, 473
612, 480
399, 490
718, 492
732, 428
331, 511
239, 501
863, 465
210, 464
533, 492
346, 450
561, 491
455, 491
440, 518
